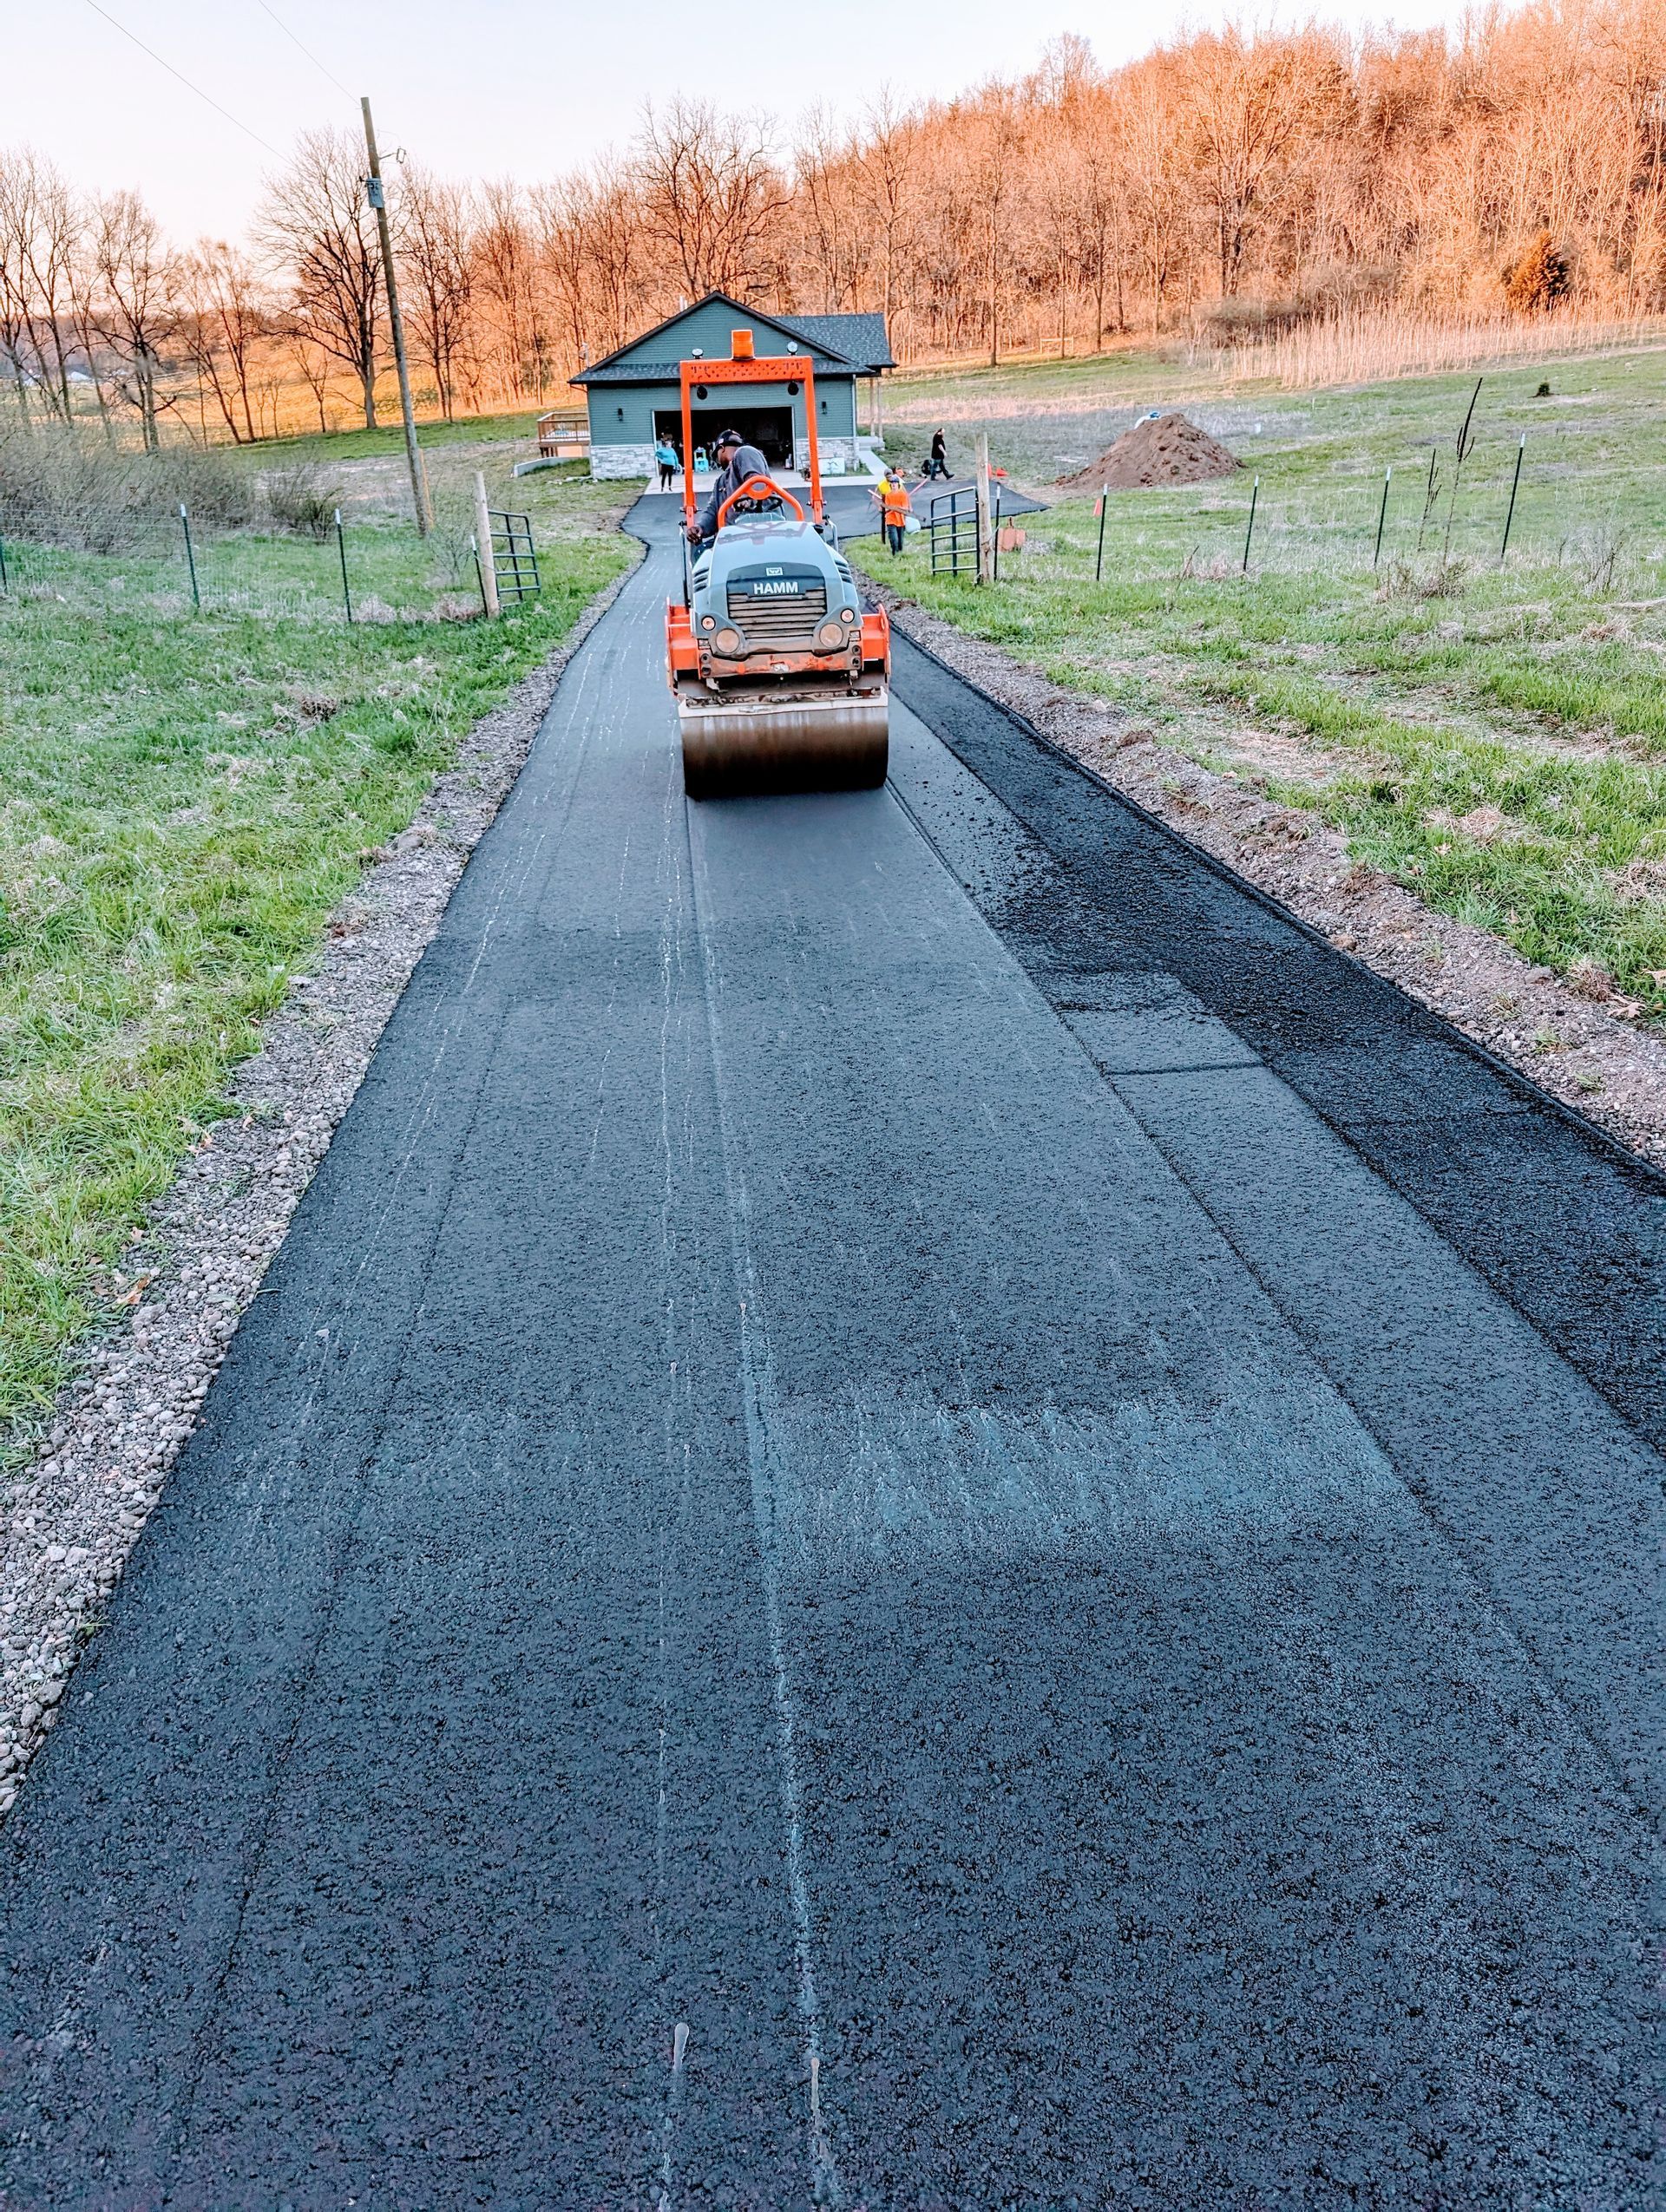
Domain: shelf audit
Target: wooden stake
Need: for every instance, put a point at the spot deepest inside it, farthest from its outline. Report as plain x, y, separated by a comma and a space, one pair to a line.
483, 546
985, 546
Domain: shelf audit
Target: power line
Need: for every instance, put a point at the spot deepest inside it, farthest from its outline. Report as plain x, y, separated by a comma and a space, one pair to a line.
184, 80
305, 49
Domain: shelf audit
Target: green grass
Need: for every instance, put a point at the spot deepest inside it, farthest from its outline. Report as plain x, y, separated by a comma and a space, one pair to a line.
520, 428
1130, 369
1394, 703
263, 569
183, 799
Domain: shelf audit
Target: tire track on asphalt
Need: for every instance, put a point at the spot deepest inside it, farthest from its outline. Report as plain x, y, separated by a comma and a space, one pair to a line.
757, 1394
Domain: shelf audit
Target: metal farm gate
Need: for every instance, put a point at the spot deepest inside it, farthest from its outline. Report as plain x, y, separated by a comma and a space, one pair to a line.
953, 521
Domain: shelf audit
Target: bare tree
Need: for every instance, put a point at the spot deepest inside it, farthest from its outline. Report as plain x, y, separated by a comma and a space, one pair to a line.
827, 194
888, 191
711, 189
996, 147
41, 224
1057, 172
136, 307
316, 226
561, 222
223, 323
84, 293
1155, 183
614, 249
1103, 205
435, 239
1269, 176
16, 326
503, 280
312, 364
595, 274
1246, 101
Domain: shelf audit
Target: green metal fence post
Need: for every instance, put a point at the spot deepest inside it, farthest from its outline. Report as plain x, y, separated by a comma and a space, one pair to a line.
1382, 516
1428, 499
341, 547
5, 583
1515, 486
480, 575
1254, 495
1098, 558
190, 557
1466, 447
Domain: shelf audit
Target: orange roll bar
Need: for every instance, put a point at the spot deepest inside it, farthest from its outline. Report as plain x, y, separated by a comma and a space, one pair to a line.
744, 367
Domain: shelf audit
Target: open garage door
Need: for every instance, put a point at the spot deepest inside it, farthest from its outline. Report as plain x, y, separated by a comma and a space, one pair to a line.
769, 428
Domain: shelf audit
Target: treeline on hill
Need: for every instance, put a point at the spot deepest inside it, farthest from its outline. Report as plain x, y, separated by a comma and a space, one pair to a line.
1231, 186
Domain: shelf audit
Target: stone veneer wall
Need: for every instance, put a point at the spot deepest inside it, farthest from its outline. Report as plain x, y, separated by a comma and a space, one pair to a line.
621, 461
845, 447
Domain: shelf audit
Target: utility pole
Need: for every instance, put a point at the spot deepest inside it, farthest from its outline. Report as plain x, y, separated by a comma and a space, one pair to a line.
413, 453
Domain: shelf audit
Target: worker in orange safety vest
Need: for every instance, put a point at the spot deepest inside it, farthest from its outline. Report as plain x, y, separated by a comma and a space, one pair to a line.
894, 508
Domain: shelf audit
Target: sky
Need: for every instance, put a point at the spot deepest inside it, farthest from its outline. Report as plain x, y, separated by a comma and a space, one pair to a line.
494, 87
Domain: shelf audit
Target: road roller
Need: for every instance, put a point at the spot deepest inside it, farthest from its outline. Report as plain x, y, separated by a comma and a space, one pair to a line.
782, 677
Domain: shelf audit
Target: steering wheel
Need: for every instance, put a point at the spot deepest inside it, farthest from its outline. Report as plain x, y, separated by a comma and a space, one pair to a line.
759, 487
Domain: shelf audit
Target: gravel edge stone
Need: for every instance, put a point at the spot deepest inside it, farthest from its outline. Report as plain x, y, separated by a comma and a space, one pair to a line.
1567, 1035
76, 1506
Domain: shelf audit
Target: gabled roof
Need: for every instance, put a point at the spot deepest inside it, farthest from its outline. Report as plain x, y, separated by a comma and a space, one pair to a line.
860, 338
856, 343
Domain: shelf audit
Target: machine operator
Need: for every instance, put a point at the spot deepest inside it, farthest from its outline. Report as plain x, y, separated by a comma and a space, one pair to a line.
737, 460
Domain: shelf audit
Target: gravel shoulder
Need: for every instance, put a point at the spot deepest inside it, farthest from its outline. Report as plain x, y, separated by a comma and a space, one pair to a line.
1611, 1071
76, 1510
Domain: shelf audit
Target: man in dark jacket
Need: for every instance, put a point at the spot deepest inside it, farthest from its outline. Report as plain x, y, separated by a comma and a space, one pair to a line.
737, 460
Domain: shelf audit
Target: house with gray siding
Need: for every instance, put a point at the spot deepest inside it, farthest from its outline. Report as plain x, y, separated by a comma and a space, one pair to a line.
634, 395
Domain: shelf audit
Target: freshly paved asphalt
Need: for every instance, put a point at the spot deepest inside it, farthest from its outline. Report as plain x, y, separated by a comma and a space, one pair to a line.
907, 1525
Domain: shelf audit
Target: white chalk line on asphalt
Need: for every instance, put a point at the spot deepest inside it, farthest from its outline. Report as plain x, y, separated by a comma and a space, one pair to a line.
756, 1393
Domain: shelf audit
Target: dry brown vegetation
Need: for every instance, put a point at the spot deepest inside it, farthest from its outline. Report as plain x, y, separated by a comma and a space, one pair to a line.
1269, 193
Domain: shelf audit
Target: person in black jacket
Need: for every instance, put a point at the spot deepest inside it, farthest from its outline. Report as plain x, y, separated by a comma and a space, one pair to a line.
938, 465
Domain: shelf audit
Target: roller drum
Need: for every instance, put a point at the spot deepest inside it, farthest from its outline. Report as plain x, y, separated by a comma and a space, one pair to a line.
733, 747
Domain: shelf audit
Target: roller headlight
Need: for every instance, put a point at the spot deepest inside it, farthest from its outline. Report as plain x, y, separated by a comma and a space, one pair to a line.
708, 622
830, 634
727, 641
847, 614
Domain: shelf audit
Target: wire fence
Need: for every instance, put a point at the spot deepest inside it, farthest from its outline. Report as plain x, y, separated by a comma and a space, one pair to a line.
174, 564
1413, 526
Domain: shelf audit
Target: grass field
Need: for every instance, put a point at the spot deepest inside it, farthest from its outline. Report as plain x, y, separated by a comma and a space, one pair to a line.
183, 799
518, 429
261, 567
1493, 736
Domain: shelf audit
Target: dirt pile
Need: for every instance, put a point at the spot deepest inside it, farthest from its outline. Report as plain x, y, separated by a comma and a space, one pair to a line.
1166, 449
